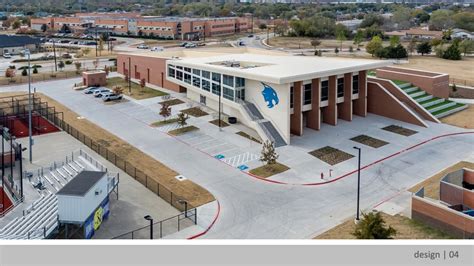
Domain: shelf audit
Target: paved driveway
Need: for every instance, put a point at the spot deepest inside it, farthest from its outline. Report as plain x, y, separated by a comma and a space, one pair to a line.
252, 208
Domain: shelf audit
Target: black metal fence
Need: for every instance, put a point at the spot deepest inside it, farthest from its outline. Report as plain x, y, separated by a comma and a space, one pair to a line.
164, 227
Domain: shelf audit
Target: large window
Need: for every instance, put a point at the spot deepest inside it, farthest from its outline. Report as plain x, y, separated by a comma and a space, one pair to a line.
206, 74
239, 82
228, 80
228, 93
197, 72
171, 72
307, 94
196, 82
340, 87
187, 78
216, 77
324, 90
216, 88
179, 75
206, 85
187, 69
355, 84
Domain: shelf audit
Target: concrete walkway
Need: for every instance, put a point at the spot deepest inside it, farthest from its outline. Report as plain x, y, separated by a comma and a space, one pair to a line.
252, 208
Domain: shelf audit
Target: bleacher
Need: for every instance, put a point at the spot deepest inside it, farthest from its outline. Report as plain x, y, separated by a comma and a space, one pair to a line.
40, 219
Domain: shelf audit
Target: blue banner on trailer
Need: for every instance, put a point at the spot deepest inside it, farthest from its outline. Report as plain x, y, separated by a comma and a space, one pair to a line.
95, 219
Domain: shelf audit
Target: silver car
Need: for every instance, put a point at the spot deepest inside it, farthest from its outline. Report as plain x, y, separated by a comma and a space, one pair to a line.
100, 92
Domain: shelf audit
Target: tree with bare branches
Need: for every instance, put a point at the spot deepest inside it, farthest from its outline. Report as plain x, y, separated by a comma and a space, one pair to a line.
165, 110
117, 90
268, 154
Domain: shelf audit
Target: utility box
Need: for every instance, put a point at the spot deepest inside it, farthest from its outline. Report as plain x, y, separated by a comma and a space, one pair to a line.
94, 78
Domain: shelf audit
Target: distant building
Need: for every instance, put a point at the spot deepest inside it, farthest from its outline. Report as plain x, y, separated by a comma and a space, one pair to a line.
462, 34
352, 24
135, 24
14, 44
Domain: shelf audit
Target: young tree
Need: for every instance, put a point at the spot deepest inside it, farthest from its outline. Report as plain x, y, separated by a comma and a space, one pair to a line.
78, 66
467, 46
268, 154
341, 32
165, 110
423, 48
262, 26
453, 52
107, 70
61, 65
142, 83
10, 73
315, 43
35, 70
336, 51
182, 118
374, 45
372, 226
412, 46
44, 28
394, 40
117, 90
24, 72
358, 38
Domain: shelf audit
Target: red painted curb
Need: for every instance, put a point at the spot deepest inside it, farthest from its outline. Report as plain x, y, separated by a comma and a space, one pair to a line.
211, 225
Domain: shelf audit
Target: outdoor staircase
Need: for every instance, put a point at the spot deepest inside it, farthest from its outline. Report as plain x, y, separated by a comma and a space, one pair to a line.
267, 127
438, 107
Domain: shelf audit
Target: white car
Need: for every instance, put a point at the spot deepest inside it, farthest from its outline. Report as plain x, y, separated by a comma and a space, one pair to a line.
101, 92
7, 55
157, 49
190, 45
143, 46
111, 97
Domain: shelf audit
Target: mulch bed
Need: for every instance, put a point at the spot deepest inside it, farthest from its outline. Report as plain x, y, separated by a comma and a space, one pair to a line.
172, 102
331, 155
216, 122
400, 130
194, 111
369, 141
182, 130
269, 170
245, 135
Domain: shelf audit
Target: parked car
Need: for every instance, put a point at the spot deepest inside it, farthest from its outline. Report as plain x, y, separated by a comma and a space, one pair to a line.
183, 44
250, 36
90, 90
66, 56
190, 45
157, 49
111, 97
7, 55
143, 46
100, 92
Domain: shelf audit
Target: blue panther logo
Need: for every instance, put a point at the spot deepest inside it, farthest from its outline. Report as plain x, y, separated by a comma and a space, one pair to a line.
270, 96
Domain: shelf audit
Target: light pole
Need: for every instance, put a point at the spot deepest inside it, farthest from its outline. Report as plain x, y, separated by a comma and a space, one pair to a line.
150, 219
30, 133
358, 184
220, 95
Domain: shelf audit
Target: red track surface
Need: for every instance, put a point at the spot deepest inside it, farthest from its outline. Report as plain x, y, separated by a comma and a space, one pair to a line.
19, 126
7, 203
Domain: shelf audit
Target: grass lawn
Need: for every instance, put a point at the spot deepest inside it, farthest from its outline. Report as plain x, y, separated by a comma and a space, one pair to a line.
155, 170
331, 155
216, 122
245, 135
194, 111
41, 76
431, 184
182, 130
406, 229
164, 122
269, 170
137, 92
172, 102
369, 141
400, 130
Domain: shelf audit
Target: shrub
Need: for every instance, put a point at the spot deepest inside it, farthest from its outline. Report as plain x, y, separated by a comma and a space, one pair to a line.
35, 70
372, 226
24, 72
424, 48
453, 52
68, 62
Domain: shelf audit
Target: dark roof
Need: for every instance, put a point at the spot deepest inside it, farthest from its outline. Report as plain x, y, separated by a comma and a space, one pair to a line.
81, 184
17, 40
